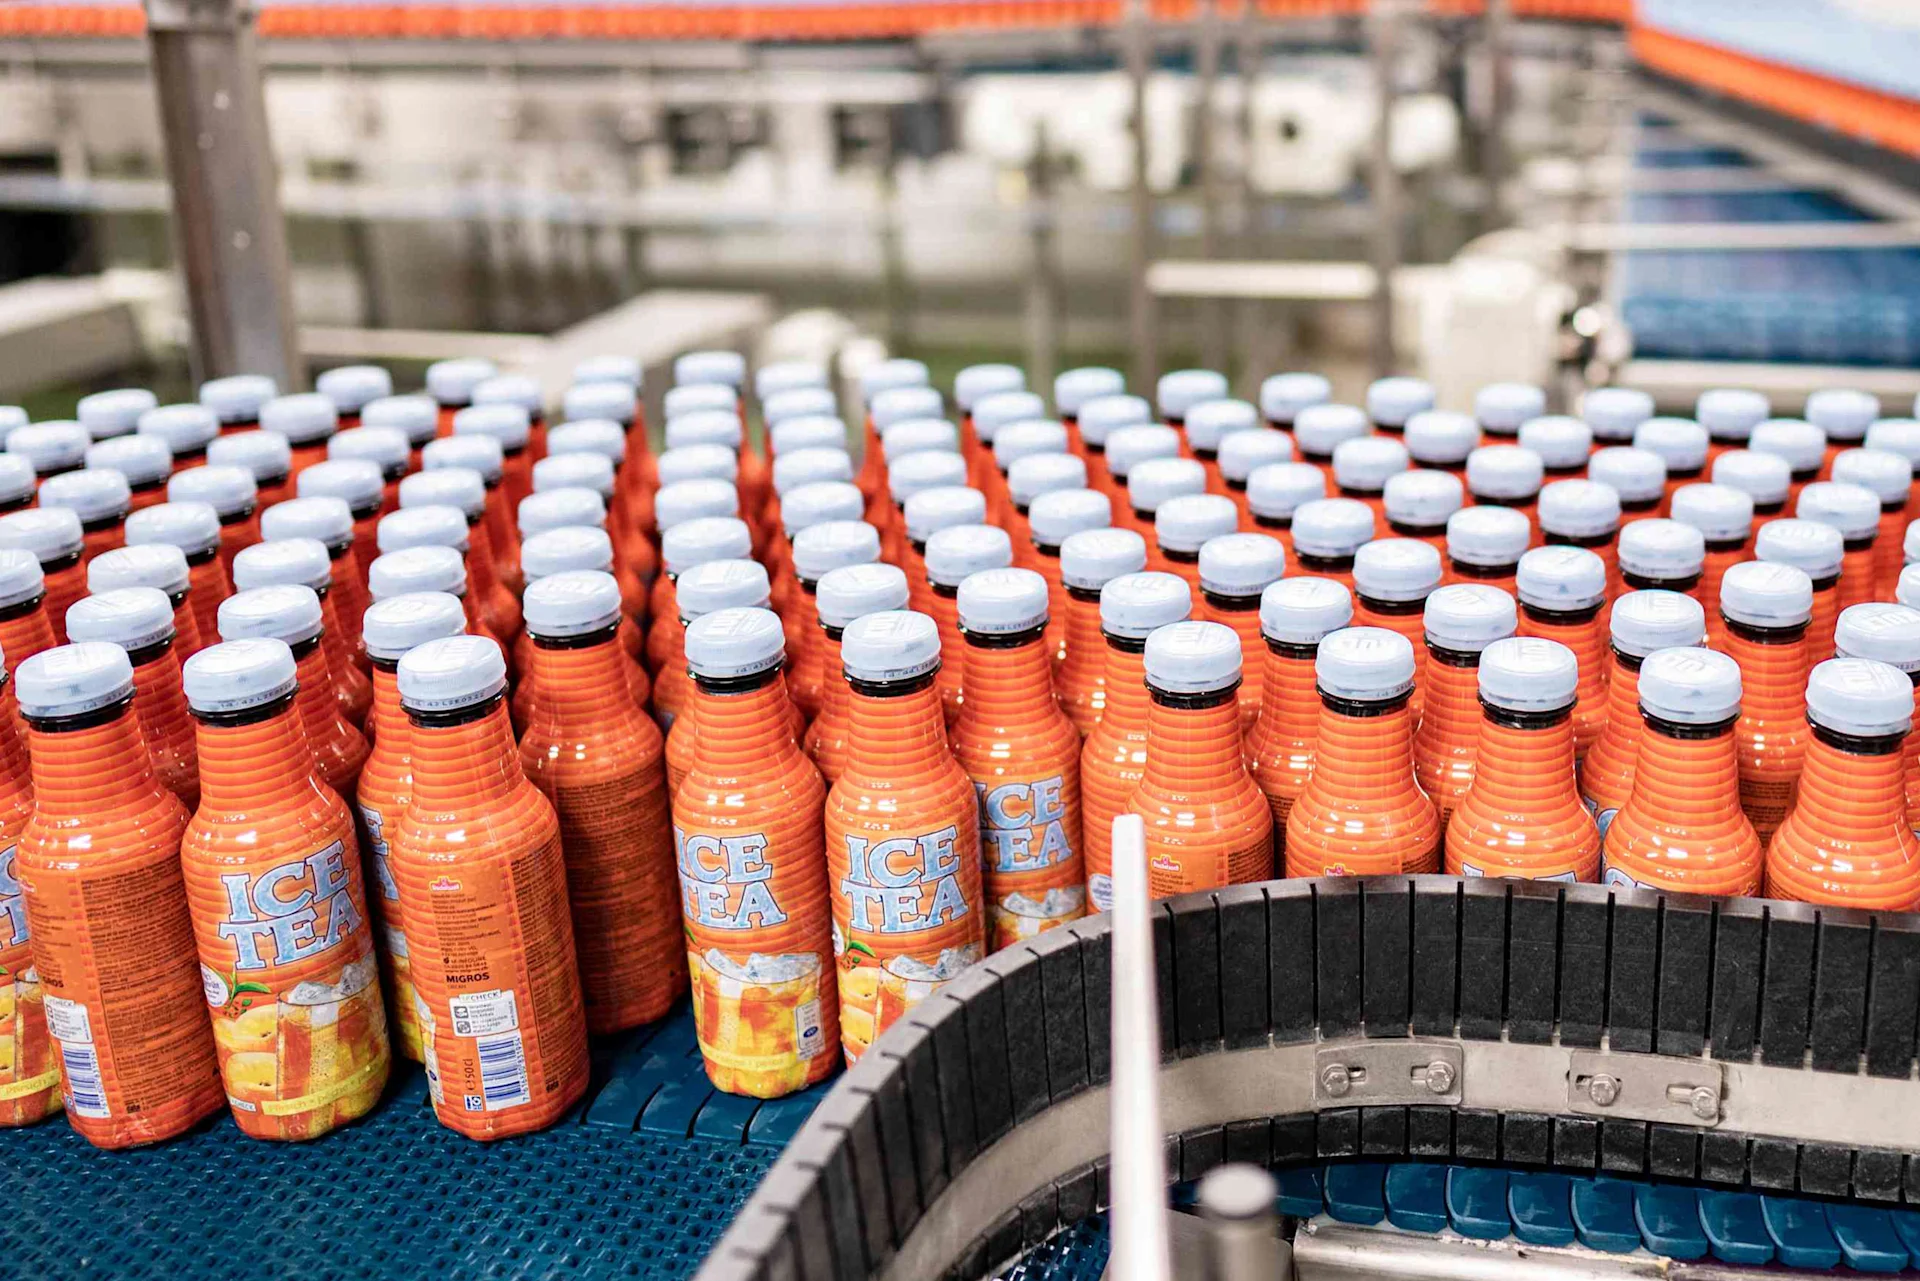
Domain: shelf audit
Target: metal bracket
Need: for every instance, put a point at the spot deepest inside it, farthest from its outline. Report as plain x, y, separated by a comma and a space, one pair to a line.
1645, 1087
1383, 1073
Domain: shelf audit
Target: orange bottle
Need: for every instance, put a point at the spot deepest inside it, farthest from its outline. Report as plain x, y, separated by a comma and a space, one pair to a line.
1502, 409
1662, 555
1899, 436
1843, 414
1052, 519
186, 431
886, 375
911, 475
1283, 396
1362, 468
1507, 476
1362, 813
1277, 491
1073, 389
1151, 485
25, 629
1889, 634
1234, 570
307, 419
304, 561
615, 399
1296, 614
386, 448
733, 582
1208, 823
1128, 448
1729, 414
293, 614
52, 535
1855, 512
1724, 517
1327, 534
1209, 424
903, 835
753, 883
1583, 513
108, 414
1614, 412
1441, 440
685, 546
1485, 544
279, 910
52, 447
1183, 525
512, 427
425, 569
158, 566
483, 891
1563, 597
264, 455
1032, 438
1762, 477
1418, 504
1393, 401
819, 550
842, 595
600, 763
1847, 842
1563, 443
586, 470
976, 383
609, 440
1243, 453
143, 461
30, 1081
100, 498
328, 521
1023, 756
463, 490
1460, 621
238, 400
1682, 828
1391, 580
1639, 476
1889, 477
232, 494
707, 589
1522, 817
952, 555
987, 417
441, 526
1801, 445
1682, 446
352, 388
415, 417
1640, 624
393, 627
1819, 551
120, 982
359, 485
484, 455
1181, 390
1099, 419
140, 620
1089, 560
926, 514
1030, 479
1318, 430
803, 508
451, 384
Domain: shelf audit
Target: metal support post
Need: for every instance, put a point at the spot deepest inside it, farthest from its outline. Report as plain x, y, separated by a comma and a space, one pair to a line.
1383, 179
1043, 277
1494, 163
1206, 65
1143, 322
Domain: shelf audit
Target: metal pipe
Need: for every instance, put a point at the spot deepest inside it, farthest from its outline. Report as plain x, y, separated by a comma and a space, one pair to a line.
1243, 1241
1138, 1174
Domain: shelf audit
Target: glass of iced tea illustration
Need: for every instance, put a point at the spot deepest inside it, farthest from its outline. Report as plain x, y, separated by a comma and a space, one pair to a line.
906, 980
765, 1011
1021, 916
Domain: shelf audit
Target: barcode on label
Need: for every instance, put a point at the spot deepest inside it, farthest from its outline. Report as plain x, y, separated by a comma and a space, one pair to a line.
85, 1097
503, 1071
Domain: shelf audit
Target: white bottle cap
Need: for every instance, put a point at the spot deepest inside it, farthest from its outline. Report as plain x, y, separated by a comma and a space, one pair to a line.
1637, 475
131, 617
50, 446
153, 565
1211, 421
1889, 476
1468, 617
810, 431
239, 398
729, 367
1319, 429
107, 414
1104, 415
1155, 481
610, 399
1762, 477
800, 402
1073, 388
1092, 558
182, 428
1804, 544
1896, 435
904, 404
47, 532
1393, 401
415, 417
141, 460
931, 470
559, 550
264, 455
230, 491
682, 501
1561, 442
1503, 407
811, 505
21, 578
820, 549
511, 389
903, 440
1192, 658
854, 591
477, 453
1843, 412
353, 387
1759, 593
1396, 569
1364, 664
954, 553
1423, 499
329, 520
991, 413
1614, 412
1910, 543
722, 584
1038, 474
1859, 696
1528, 674
1179, 391
695, 542
1487, 536
1283, 396
1368, 463
1720, 512
623, 370
1561, 578
16, 478
305, 418
355, 480
559, 507
976, 382
1241, 564
98, 493
699, 398
1504, 471
706, 427
1730, 413
1304, 611
1187, 522
1852, 510
457, 487
1691, 686
300, 561
71, 680
589, 436
1661, 549
574, 603
575, 471
1680, 442
393, 626
423, 527
810, 467
1058, 514
1027, 438
1331, 527
1244, 452
192, 527
1278, 490
1128, 447
453, 672
287, 612
508, 424
788, 375
386, 447
688, 462
1578, 509
1883, 632
417, 569
1801, 443
1000, 602
451, 382
1644, 621
893, 645
1441, 438
1133, 606
932, 510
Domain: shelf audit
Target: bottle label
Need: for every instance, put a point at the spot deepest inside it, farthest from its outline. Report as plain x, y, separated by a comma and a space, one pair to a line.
1023, 825
1100, 891
619, 845
905, 884
393, 934
726, 882
1611, 875
759, 1017
1570, 876
1767, 802
28, 1076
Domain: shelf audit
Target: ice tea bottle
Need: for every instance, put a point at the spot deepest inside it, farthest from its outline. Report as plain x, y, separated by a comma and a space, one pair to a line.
618, 401
119, 979
600, 763
352, 388
1100, 418
264, 455
1459, 623
1151, 485
1729, 414
1639, 476
988, 416
25, 629
1362, 813
1318, 430
1819, 551
1089, 560
1855, 512
708, 589
903, 835
803, 508
1563, 597
976, 383
1395, 401
1362, 468
915, 474
1296, 614
483, 891
307, 419
1485, 544
753, 877
29, 1080
154, 565
185, 430
451, 383
1391, 580
100, 498
886, 375
1844, 414
463, 490
239, 400
194, 531
1030, 479
1615, 412
1418, 504
926, 514
484, 455
1801, 445
1180, 390
951, 555
1023, 756
1681, 444
606, 438
110, 414
425, 569
819, 550
1327, 534
1131, 447
1582, 513
1889, 634
386, 448
1900, 436
1182, 526
140, 620
1640, 624
1277, 491
1523, 817
328, 521
279, 909
293, 615
1234, 570
1563, 443
1244, 452
144, 462
305, 563
1284, 396
53, 448
359, 485
392, 627
1682, 828
1442, 440
1889, 478
415, 417
1507, 476
842, 595
1502, 409
1762, 477
52, 535
1724, 517
595, 472
1052, 519
1015, 441
1114, 757
512, 427
442, 526
1209, 425
686, 545
1072, 390
232, 494
1662, 555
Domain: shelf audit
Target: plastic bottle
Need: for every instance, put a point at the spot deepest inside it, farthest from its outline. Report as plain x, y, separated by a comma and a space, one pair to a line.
1681, 443
1639, 476
1563, 597
386, 448
144, 462
483, 891
1614, 412
1276, 493
606, 438
1023, 756
1151, 485
1129, 447
1296, 614
875, 379
1582, 513
186, 430
1724, 517
951, 555
1242, 453
100, 498
1847, 842
1391, 580
1031, 479
415, 417
1180, 390
818, 550
1208, 424
1459, 623
1899, 436
99, 868
903, 838
708, 589
1053, 518
1441, 440
618, 402
52, 536
1363, 467
446, 527
1100, 418
1362, 813
484, 455
463, 490
451, 384
1114, 758
392, 627
1843, 414
30, 1079
1319, 430
559, 508
1502, 408
358, 484
1818, 550
686, 545
1393, 402
1563, 443
1485, 544
976, 383
1089, 560
1855, 512
1234, 570
1640, 624
238, 400
230, 491
1888, 477
1507, 476
915, 474
1801, 445
1729, 414
989, 415
293, 615
264, 455
560, 551
1762, 477
352, 388
140, 621
1682, 828
52, 447
842, 595
595, 472
1283, 396
194, 529
304, 562
25, 628
307, 419
804, 507
512, 427
108, 414
1889, 634
154, 565
1662, 555
926, 514
1072, 390
1327, 534
329, 522
1032, 438
1418, 504
1183, 525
